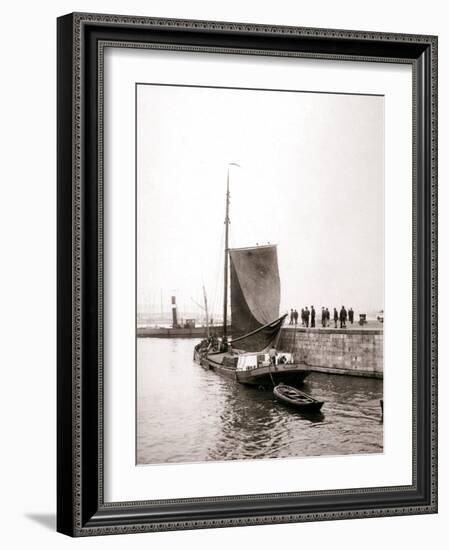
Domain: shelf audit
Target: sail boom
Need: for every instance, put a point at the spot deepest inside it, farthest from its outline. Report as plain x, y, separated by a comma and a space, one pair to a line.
268, 325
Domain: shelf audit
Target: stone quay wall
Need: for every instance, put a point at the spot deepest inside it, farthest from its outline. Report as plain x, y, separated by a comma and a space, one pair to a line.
354, 351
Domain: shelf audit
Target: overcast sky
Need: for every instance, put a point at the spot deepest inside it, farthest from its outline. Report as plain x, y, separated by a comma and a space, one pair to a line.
311, 181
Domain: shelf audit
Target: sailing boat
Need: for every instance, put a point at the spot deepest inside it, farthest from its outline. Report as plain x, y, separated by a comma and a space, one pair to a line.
251, 356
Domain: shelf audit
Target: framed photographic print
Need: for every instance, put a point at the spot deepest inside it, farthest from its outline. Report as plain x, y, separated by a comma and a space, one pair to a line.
247, 274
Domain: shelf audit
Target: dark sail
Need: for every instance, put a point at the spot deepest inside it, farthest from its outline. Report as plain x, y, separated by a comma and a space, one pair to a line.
255, 297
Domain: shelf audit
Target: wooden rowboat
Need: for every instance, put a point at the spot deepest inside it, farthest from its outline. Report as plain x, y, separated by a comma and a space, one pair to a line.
296, 398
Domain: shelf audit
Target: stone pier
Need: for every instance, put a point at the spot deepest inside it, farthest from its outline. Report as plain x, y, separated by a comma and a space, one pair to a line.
352, 351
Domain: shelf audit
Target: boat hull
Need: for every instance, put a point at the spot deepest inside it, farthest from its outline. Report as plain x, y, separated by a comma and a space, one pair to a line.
292, 374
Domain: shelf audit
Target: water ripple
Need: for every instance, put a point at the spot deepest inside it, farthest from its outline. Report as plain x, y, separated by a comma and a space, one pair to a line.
188, 414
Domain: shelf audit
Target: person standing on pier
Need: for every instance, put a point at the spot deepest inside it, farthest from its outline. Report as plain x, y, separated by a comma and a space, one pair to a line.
335, 317
312, 317
295, 317
306, 316
343, 315
351, 315
303, 317
323, 317
292, 316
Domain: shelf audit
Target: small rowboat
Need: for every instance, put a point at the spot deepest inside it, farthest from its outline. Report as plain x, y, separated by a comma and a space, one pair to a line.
296, 398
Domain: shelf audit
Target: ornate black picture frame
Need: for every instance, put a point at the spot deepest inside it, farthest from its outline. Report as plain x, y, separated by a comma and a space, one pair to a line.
81, 510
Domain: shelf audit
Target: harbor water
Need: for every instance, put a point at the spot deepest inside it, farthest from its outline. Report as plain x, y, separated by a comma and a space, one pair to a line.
188, 414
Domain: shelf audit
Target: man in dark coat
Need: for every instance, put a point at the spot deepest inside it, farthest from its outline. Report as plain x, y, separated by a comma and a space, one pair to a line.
328, 318
343, 315
335, 317
323, 317
351, 315
312, 317
303, 317
306, 316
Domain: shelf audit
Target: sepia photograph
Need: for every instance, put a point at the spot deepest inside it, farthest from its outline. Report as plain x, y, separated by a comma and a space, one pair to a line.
259, 273
247, 278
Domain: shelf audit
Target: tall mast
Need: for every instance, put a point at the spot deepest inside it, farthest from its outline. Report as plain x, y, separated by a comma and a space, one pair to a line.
225, 300
207, 312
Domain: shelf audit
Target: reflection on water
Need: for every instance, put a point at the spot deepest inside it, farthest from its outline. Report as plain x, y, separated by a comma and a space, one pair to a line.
188, 414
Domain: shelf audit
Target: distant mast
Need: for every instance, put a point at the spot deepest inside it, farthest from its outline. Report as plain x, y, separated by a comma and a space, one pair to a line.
162, 310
